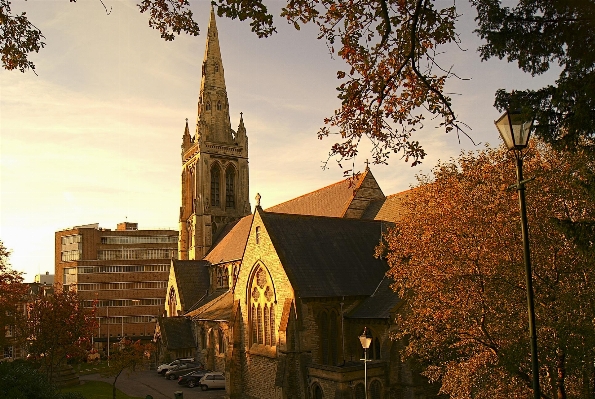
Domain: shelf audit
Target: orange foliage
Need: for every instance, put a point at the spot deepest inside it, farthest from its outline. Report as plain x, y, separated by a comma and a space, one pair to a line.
456, 257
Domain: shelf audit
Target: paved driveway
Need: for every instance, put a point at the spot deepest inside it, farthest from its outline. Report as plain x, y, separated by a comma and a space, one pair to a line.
148, 382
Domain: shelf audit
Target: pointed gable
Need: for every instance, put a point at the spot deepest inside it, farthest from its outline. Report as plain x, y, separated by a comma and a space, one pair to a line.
231, 242
326, 257
176, 332
191, 280
346, 199
367, 191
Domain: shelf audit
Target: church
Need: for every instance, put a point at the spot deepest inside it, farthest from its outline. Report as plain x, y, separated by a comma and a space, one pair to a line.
277, 298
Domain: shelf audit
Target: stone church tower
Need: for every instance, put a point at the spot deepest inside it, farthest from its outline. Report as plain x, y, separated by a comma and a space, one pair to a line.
215, 162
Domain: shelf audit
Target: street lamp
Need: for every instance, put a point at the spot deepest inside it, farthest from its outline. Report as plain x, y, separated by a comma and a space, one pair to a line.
365, 341
515, 132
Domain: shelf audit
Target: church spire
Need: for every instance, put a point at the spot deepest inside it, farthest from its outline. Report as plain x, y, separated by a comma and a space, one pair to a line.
186, 139
213, 106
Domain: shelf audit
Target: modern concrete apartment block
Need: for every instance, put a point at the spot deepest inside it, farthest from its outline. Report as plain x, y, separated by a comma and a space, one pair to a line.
123, 271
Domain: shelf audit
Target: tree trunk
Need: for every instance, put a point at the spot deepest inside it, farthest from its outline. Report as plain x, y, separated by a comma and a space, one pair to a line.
114, 385
560, 366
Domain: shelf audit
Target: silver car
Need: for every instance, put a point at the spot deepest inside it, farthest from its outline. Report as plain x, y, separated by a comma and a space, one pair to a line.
212, 380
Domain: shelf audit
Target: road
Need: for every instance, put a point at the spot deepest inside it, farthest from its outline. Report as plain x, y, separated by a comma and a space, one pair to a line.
148, 382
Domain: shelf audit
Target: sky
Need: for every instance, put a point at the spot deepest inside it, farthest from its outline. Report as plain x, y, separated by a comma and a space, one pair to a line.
95, 137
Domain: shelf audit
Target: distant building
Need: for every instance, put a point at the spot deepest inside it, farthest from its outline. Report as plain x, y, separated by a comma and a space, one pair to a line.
124, 270
44, 279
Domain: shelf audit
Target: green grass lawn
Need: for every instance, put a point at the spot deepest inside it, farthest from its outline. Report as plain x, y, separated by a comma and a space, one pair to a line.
91, 368
98, 390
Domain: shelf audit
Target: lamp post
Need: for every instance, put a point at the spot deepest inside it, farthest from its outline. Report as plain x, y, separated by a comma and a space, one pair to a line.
515, 132
108, 323
365, 341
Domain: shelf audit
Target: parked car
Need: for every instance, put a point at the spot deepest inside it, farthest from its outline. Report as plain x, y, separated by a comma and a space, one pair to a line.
174, 372
164, 367
192, 378
212, 380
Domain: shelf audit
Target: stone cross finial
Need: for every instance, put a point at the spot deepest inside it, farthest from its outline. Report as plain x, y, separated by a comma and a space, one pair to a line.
367, 164
257, 199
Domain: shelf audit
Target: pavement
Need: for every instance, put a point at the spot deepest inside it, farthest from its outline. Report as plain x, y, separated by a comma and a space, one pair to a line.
148, 382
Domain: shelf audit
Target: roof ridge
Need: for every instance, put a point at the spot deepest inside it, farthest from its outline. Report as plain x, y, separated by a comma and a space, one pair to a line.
321, 217
402, 192
313, 192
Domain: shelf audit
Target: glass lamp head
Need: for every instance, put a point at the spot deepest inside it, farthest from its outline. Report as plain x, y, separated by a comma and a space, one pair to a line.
514, 130
365, 339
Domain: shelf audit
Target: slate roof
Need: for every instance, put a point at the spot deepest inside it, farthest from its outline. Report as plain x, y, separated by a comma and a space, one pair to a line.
215, 306
330, 201
389, 209
192, 280
379, 304
327, 257
176, 332
231, 245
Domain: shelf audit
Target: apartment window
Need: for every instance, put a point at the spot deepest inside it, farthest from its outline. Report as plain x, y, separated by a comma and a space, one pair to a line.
71, 248
137, 285
123, 269
9, 331
114, 303
122, 240
137, 253
8, 351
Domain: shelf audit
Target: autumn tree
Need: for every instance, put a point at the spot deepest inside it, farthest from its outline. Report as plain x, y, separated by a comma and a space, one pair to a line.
393, 80
59, 328
456, 259
126, 355
12, 296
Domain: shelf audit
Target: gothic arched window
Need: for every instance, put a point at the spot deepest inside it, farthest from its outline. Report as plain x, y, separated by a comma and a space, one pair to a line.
212, 339
221, 342
324, 338
215, 185
318, 392
222, 274
374, 349
172, 302
262, 313
329, 338
360, 391
208, 106
376, 390
218, 105
267, 336
230, 197
203, 338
